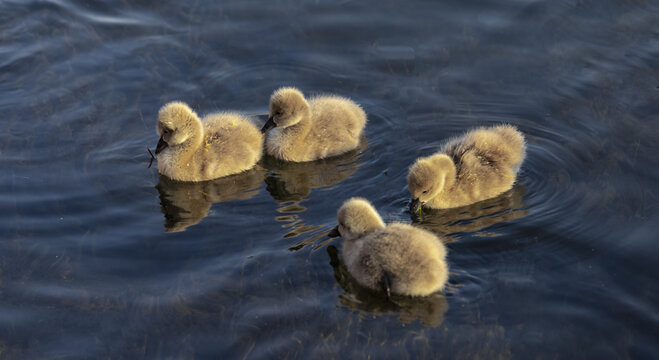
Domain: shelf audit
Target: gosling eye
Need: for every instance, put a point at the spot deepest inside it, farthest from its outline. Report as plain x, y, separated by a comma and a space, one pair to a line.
278, 113
425, 192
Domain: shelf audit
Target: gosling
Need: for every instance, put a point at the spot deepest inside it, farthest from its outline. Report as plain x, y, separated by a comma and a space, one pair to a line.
478, 165
304, 130
397, 258
218, 145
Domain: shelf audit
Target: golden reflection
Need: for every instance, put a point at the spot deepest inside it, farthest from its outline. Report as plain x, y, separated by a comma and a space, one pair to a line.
429, 310
290, 183
471, 218
187, 203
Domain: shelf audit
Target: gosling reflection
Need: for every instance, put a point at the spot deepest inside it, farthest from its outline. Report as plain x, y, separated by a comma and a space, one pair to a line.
429, 310
290, 184
291, 181
472, 218
186, 203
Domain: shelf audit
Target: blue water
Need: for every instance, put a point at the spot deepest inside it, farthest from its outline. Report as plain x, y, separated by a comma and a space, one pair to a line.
101, 258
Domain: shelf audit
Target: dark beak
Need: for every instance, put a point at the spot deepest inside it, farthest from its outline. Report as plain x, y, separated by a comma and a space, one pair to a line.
268, 125
334, 232
415, 206
161, 145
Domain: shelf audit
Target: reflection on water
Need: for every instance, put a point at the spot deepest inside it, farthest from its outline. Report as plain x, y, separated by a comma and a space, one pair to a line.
187, 203
429, 310
290, 183
471, 218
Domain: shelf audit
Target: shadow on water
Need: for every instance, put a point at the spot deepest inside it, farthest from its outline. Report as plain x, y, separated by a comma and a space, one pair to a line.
187, 203
429, 310
290, 184
472, 218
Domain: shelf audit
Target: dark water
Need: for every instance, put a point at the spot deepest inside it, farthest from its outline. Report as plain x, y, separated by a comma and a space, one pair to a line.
100, 258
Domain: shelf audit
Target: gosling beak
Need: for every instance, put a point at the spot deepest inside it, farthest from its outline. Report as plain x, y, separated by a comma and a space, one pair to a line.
415, 206
334, 232
268, 125
161, 145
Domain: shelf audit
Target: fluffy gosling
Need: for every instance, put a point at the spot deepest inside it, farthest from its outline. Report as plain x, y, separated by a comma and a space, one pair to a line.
218, 145
304, 130
478, 165
397, 258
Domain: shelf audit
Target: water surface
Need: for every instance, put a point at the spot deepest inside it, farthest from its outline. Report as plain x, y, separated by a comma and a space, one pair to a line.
102, 258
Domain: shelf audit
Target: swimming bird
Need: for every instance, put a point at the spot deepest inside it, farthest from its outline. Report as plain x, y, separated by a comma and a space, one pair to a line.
429, 310
193, 149
397, 258
478, 165
304, 130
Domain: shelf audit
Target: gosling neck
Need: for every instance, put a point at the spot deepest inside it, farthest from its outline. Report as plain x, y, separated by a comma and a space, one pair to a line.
302, 128
447, 169
357, 219
373, 222
194, 142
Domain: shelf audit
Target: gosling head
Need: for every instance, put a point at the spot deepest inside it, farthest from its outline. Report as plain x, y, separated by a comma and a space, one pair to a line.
356, 218
428, 177
287, 107
175, 124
